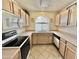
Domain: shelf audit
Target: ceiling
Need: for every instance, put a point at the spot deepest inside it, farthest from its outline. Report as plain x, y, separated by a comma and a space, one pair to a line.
52, 5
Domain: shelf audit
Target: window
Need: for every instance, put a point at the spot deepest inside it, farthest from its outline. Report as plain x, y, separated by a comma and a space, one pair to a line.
42, 24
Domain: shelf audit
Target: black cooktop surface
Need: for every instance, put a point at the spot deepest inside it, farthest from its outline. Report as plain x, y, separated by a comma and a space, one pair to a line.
16, 42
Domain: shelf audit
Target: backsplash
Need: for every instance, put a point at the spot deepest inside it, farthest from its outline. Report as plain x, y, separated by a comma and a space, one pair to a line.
69, 29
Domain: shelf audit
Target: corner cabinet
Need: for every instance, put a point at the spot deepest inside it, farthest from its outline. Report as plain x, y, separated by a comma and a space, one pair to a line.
7, 5
70, 52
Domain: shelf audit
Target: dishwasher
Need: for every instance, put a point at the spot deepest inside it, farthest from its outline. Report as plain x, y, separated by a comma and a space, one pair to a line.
56, 40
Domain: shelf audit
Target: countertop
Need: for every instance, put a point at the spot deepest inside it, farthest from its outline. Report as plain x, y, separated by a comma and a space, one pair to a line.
66, 36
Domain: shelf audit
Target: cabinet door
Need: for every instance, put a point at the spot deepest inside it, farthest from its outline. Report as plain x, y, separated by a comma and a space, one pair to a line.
18, 55
64, 18
62, 47
7, 5
16, 9
34, 38
22, 14
70, 52
26, 19
57, 19
73, 15
44, 38
22, 20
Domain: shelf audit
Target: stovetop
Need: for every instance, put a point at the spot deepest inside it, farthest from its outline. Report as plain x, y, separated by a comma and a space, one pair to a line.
16, 42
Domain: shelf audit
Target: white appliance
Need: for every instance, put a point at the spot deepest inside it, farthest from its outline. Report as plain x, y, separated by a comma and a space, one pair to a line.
56, 40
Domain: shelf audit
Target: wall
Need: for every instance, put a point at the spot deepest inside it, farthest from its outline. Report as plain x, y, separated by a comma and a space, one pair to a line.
21, 30
68, 29
34, 15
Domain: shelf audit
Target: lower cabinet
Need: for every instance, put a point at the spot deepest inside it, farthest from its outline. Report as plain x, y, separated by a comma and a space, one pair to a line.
70, 52
67, 50
34, 38
18, 55
42, 38
62, 47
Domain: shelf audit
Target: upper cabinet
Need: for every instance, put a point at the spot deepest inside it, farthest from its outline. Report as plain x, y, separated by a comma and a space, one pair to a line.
13, 9
64, 18
22, 14
57, 20
24, 19
27, 19
67, 17
73, 15
7, 5
17, 9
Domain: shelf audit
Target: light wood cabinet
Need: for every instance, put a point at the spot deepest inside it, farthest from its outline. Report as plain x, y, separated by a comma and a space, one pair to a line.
62, 46
27, 19
22, 21
73, 15
42, 38
63, 18
22, 14
18, 55
34, 38
57, 20
7, 5
17, 9
70, 52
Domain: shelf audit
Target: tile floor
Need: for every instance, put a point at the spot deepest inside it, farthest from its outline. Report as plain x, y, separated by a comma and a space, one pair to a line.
44, 52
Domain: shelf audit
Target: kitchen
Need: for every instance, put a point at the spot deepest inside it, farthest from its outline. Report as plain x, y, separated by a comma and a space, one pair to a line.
39, 29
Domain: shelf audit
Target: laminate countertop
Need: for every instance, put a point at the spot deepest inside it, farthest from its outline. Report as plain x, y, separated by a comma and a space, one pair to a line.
66, 36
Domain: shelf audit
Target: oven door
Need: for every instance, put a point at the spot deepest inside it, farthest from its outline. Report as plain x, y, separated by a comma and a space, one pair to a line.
25, 49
